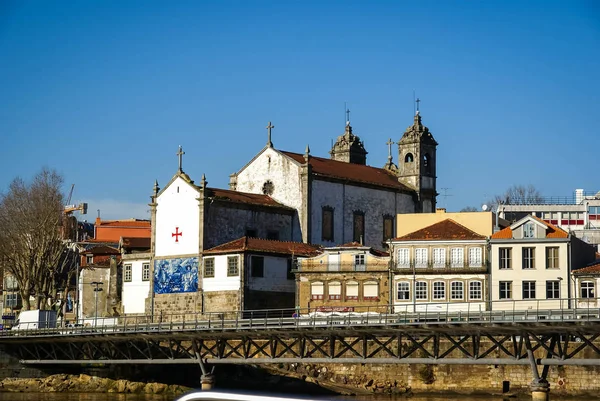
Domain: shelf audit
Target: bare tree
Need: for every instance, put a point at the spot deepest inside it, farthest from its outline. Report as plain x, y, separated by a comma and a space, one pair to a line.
518, 194
469, 209
31, 243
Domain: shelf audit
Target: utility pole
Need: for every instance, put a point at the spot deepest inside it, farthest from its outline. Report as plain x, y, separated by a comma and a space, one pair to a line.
97, 289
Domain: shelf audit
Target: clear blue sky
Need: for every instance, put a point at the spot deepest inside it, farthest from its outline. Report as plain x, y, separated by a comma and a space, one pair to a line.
104, 92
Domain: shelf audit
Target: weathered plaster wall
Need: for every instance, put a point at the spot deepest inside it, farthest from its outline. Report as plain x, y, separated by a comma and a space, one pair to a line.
136, 291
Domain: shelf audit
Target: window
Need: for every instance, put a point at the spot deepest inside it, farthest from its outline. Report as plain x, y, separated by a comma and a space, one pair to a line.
408, 158
388, 228
12, 300
359, 227
334, 289
403, 290
352, 291
421, 290
505, 258
403, 258
552, 257
127, 273
528, 289
426, 163
457, 290
316, 290
439, 257
327, 223
89, 259
505, 288
439, 290
209, 267
587, 289
268, 188
359, 263
553, 289
273, 235
421, 257
457, 257
475, 259
528, 258
475, 290
290, 268
257, 266
232, 266
250, 232
371, 291
146, 272
528, 230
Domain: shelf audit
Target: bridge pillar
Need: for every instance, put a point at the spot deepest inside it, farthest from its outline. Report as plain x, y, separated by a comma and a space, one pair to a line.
540, 390
207, 381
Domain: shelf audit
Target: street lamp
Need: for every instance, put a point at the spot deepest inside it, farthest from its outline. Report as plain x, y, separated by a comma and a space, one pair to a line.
97, 288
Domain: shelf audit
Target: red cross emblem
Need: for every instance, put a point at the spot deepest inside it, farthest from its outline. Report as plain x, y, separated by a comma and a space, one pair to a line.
176, 234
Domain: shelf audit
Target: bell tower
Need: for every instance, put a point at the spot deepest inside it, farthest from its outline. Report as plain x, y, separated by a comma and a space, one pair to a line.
417, 163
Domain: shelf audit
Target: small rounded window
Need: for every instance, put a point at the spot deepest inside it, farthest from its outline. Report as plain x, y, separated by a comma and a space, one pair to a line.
268, 188
408, 158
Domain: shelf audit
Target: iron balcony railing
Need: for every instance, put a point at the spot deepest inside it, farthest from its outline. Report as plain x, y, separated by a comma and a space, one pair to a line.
398, 315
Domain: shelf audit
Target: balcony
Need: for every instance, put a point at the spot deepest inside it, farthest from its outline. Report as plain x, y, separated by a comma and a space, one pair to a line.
311, 267
446, 268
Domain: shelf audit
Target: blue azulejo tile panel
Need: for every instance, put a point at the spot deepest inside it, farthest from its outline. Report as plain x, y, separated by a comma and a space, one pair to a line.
175, 275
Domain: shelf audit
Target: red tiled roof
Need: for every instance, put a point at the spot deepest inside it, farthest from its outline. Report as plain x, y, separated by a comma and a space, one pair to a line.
102, 250
245, 197
265, 245
355, 244
133, 242
551, 231
592, 269
351, 172
126, 223
444, 230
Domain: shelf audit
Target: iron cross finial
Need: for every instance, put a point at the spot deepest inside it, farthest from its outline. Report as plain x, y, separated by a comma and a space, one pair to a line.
389, 143
269, 128
348, 116
180, 154
418, 101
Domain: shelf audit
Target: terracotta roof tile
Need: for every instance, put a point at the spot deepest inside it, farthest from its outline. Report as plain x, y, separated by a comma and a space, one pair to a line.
444, 230
265, 245
505, 233
551, 231
245, 197
351, 172
102, 250
591, 269
135, 242
125, 223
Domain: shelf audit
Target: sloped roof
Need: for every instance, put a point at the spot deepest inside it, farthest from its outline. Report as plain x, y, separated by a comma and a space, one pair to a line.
355, 244
135, 242
445, 230
551, 230
591, 269
245, 197
265, 245
351, 172
132, 223
102, 250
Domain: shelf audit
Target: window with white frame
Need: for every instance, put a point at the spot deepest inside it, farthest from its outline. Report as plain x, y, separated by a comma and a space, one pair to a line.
352, 291
334, 290
587, 289
439, 257
475, 290
316, 290
12, 300
127, 273
528, 289
505, 288
403, 290
528, 230
146, 272
371, 291
475, 258
457, 257
439, 290
359, 262
421, 257
403, 258
457, 290
421, 290
552, 289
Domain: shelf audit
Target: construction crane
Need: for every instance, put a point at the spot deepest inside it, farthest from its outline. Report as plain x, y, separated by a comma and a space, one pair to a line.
69, 209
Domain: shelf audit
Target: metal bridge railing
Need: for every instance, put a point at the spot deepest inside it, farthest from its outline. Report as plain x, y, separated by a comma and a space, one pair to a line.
509, 311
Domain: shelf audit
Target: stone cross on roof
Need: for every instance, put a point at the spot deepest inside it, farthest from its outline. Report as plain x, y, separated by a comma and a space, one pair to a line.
389, 143
180, 154
269, 128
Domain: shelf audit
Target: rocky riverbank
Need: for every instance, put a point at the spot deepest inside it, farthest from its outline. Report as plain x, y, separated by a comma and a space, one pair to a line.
87, 384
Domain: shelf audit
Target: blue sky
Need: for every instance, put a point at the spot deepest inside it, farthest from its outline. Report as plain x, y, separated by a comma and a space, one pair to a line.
104, 92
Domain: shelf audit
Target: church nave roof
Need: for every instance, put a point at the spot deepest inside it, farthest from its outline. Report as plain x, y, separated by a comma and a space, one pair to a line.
245, 197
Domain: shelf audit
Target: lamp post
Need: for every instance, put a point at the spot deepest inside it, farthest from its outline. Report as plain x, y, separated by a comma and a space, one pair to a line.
97, 288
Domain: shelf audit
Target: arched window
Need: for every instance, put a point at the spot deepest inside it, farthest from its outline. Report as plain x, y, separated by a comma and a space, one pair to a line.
334, 290
587, 289
371, 291
421, 290
439, 290
403, 290
457, 290
426, 163
316, 290
475, 292
352, 290
408, 158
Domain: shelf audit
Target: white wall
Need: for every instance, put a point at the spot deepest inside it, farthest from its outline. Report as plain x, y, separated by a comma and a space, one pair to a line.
136, 291
221, 281
177, 206
275, 275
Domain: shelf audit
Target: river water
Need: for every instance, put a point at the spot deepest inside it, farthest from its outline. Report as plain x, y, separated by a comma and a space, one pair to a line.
144, 397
